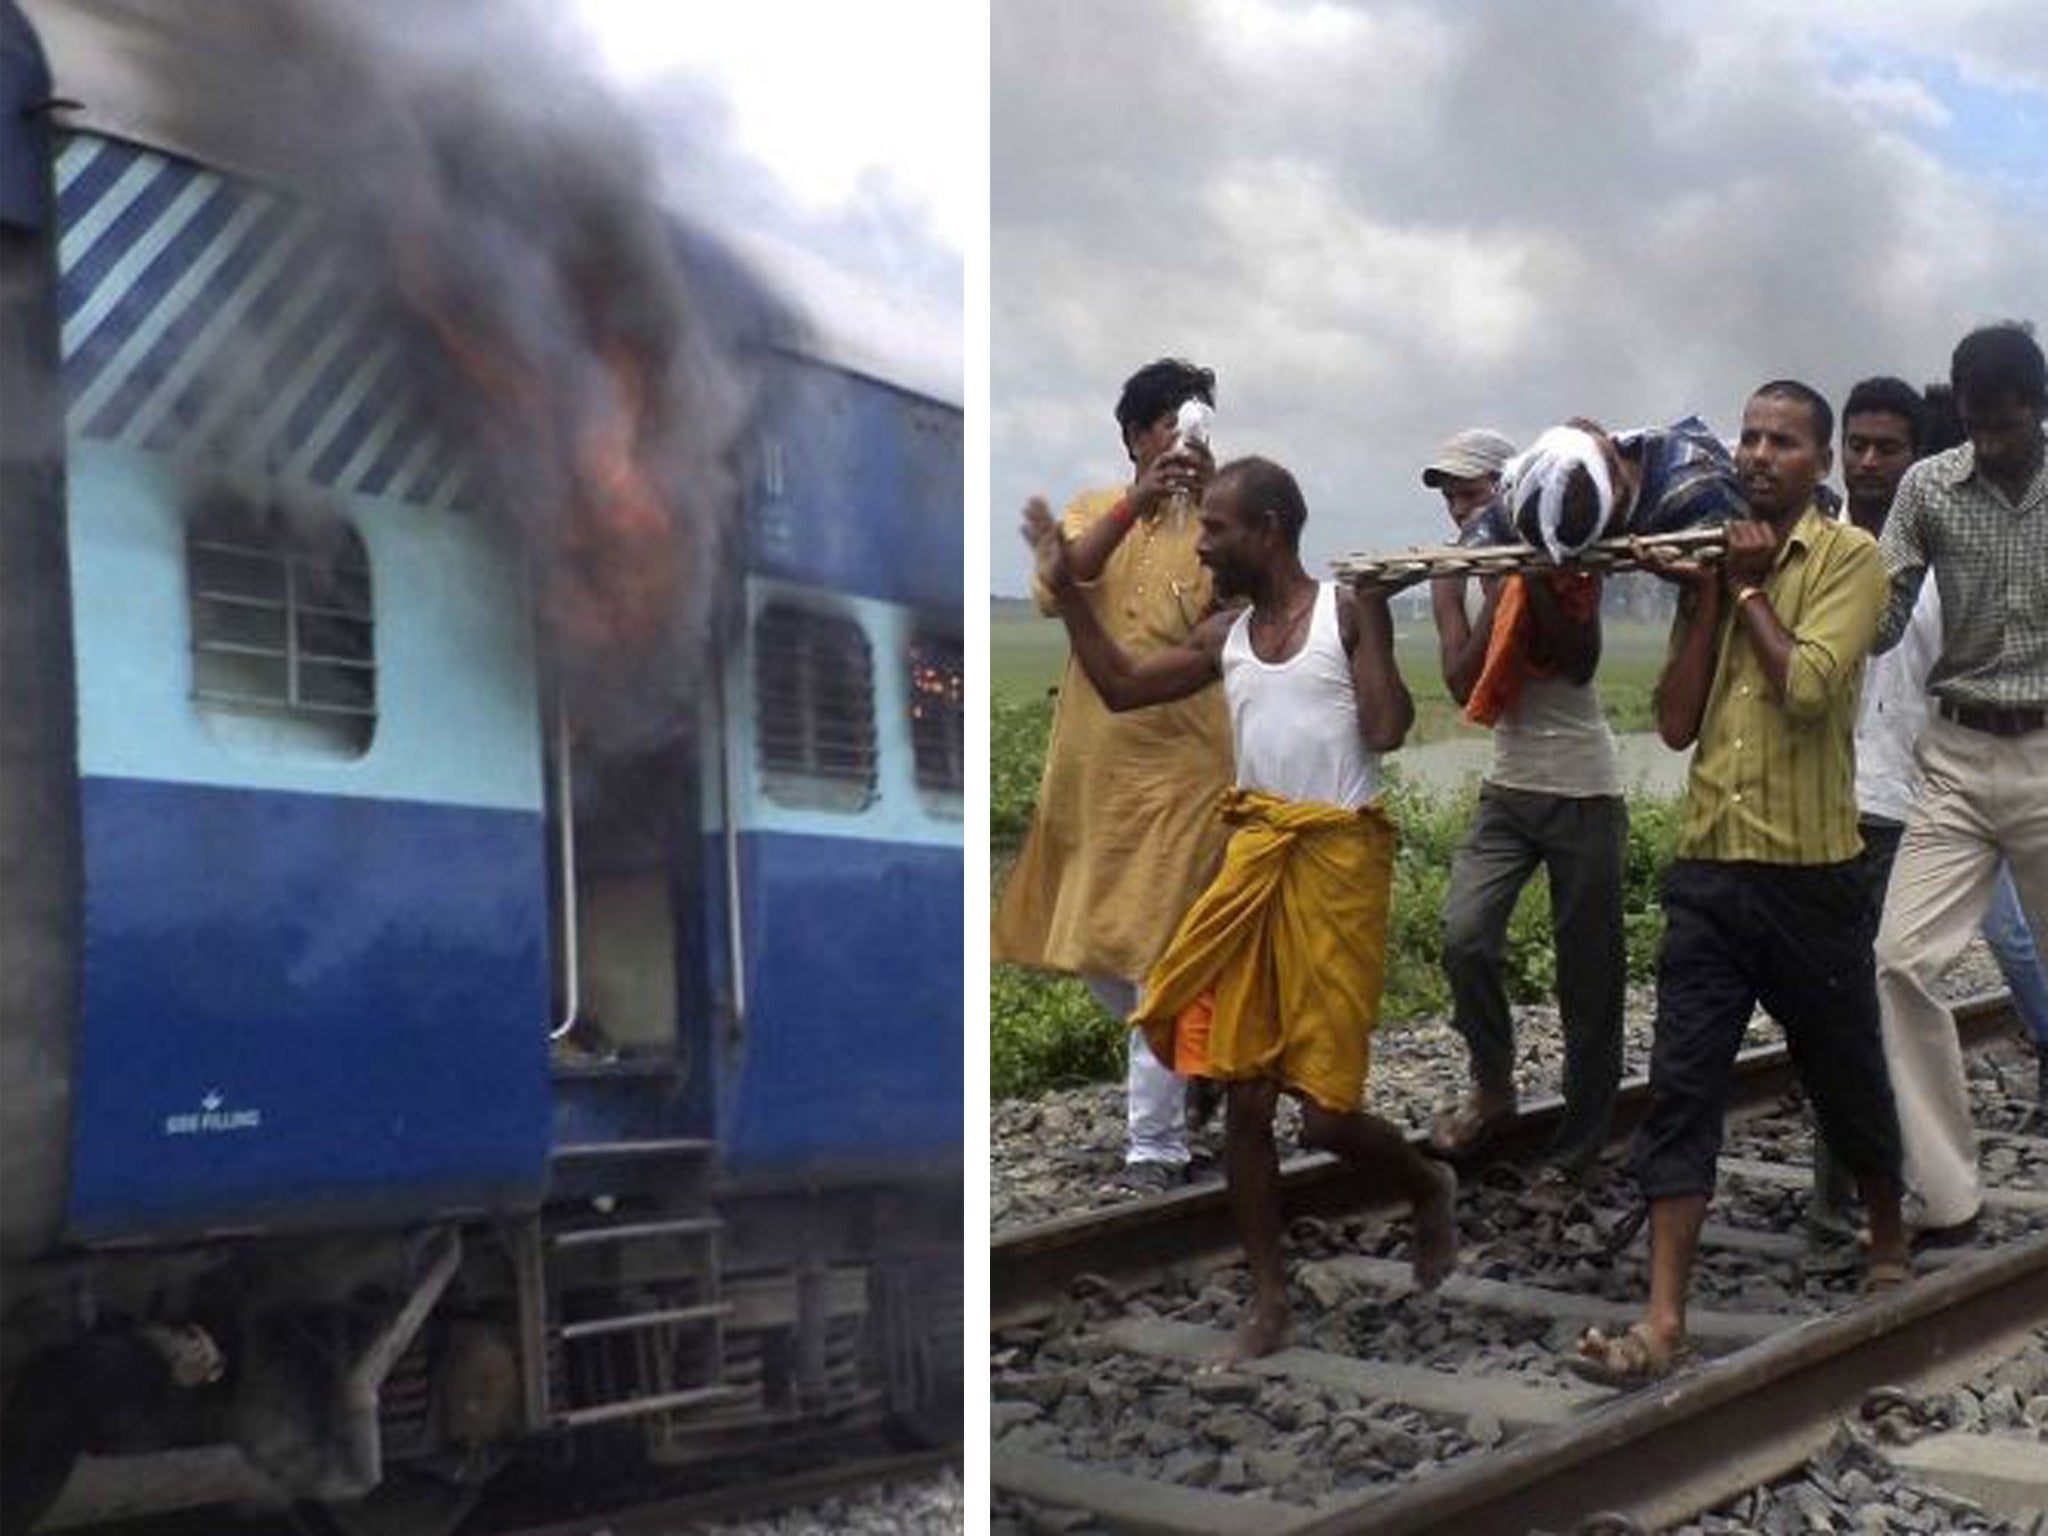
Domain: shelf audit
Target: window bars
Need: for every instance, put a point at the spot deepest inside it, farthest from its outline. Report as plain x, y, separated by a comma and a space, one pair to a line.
282, 629
814, 691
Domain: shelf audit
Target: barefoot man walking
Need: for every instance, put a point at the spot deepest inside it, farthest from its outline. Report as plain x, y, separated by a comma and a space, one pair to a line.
1272, 982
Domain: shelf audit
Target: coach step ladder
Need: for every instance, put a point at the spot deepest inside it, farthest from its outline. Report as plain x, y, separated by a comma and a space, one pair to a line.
659, 1347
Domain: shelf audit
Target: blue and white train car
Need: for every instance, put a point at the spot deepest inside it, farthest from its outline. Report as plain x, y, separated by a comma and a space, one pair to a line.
387, 1079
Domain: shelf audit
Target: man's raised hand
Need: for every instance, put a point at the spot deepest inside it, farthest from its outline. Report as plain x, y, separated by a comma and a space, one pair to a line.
1182, 470
1041, 531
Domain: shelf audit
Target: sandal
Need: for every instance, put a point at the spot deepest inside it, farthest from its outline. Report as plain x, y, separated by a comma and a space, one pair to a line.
1464, 1130
1630, 1359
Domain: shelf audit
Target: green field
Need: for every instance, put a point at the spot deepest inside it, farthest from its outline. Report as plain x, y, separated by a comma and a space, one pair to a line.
1027, 652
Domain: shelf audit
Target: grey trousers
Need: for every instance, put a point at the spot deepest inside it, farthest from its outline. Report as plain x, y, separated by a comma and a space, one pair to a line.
1579, 842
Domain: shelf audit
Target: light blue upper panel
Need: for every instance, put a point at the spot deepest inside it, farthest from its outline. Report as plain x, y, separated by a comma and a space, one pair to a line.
457, 703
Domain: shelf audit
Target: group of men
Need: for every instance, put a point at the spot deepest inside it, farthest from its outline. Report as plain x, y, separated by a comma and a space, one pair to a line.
1869, 775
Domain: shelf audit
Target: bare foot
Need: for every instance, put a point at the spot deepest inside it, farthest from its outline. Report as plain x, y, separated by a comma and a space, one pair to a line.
1263, 1330
1435, 1240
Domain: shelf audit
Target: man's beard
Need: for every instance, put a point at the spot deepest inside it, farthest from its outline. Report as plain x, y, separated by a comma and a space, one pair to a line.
1229, 582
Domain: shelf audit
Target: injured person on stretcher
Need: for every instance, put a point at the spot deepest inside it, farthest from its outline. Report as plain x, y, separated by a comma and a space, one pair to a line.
1577, 483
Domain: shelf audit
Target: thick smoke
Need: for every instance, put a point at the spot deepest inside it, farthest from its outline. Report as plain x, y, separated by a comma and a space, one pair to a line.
584, 348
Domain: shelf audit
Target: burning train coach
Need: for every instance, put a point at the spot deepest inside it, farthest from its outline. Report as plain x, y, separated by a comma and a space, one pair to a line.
431, 1027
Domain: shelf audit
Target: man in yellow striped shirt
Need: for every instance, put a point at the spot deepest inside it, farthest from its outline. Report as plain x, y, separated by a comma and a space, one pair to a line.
1763, 903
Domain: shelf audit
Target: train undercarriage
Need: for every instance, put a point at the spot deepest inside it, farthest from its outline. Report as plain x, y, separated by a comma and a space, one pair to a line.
378, 1381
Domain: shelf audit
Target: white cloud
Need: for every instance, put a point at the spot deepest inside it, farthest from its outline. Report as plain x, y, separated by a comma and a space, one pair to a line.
2001, 43
1317, 260
1897, 99
835, 99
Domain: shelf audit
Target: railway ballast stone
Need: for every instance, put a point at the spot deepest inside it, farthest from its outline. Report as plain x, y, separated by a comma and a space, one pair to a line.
1225, 1387
2005, 1474
924, 1506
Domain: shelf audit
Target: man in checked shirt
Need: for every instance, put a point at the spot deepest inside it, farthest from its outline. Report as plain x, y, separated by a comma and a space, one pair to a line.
1977, 516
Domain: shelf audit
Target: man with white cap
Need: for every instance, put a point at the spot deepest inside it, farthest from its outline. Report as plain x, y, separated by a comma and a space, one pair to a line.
1552, 798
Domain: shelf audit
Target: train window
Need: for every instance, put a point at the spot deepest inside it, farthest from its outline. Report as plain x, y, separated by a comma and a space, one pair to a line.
936, 719
283, 636
814, 688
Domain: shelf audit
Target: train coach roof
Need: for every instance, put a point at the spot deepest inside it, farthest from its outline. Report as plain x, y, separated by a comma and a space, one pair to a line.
141, 70
889, 334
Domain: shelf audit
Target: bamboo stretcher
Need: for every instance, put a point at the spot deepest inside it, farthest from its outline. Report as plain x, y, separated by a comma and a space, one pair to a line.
1626, 553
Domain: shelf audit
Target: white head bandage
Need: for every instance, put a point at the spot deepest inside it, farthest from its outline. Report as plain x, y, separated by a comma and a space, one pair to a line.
1539, 473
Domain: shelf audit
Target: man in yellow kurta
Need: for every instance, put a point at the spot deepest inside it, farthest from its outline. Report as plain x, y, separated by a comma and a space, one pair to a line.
1125, 833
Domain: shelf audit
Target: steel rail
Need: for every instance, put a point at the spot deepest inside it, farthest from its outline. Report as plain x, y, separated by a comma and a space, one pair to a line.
1031, 1268
1659, 1456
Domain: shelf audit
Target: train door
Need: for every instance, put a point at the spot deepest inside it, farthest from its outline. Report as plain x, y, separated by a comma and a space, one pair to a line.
632, 1006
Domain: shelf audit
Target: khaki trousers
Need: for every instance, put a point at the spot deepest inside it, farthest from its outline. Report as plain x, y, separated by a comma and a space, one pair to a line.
1981, 797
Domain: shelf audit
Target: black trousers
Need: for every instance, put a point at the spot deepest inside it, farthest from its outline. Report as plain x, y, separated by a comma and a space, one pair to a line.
1793, 939
1832, 1209
1874, 863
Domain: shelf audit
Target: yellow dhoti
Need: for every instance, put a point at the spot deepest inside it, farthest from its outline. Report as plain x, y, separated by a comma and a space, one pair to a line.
1286, 949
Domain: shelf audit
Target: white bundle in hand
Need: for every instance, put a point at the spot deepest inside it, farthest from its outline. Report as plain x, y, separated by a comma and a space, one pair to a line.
1191, 423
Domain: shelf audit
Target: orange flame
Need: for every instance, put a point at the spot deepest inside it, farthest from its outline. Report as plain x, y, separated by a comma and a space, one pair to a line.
608, 559
620, 539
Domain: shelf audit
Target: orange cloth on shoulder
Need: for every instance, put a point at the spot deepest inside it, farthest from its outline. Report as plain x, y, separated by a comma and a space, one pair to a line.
1508, 663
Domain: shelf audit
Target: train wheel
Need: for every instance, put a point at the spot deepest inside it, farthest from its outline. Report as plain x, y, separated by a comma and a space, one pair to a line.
404, 1504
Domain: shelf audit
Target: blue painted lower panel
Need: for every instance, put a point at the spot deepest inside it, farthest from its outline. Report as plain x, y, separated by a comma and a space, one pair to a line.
305, 1010
852, 1060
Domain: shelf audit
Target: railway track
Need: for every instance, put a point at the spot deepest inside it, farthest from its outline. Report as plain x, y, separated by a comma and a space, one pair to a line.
1397, 1413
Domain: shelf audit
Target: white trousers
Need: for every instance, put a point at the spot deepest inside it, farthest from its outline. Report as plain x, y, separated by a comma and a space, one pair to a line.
1155, 1101
1981, 797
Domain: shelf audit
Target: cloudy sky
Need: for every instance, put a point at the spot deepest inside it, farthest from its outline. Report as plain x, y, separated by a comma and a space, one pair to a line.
1383, 221
815, 132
